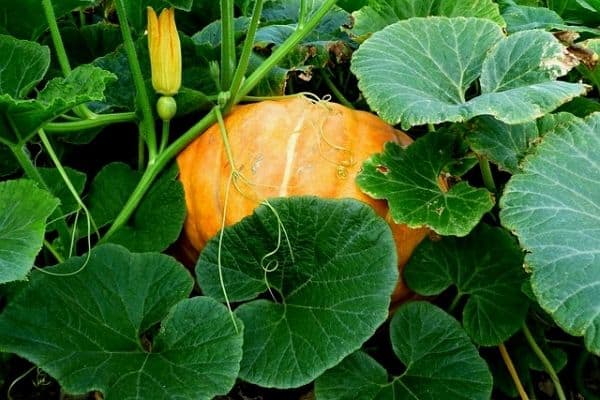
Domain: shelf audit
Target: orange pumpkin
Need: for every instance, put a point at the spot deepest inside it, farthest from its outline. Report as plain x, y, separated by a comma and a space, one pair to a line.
284, 148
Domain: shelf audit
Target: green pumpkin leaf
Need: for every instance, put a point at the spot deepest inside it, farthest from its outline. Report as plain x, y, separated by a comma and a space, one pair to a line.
409, 180
441, 363
503, 144
59, 189
378, 14
23, 66
333, 288
24, 209
158, 219
522, 18
553, 206
487, 267
418, 71
83, 84
89, 330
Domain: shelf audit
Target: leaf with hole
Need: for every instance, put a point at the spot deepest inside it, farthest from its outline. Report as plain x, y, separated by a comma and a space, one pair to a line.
316, 276
409, 180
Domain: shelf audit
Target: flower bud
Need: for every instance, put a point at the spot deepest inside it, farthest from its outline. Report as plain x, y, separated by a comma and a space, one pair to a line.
165, 51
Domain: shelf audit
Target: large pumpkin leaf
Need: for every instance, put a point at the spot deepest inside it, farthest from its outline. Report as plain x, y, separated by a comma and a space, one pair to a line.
23, 65
486, 266
553, 206
441, 363
19, 119
24, 209
158, 219
331, 264
409, 180
418, 71
378, 14
89, 330
503, 144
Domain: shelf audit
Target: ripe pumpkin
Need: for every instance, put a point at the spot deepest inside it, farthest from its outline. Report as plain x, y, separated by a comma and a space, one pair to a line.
286, 147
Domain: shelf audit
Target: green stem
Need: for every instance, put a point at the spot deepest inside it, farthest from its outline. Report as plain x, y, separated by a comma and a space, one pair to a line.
225, 139
455, 302
547, 364
61, 53
228, 57
165, 136
336, 92
282, 51
98, 121
22, 156
486, 174
149, 131
53, 251
242, 67
155, 168
68, 183
303, 14
141, 152
430, 128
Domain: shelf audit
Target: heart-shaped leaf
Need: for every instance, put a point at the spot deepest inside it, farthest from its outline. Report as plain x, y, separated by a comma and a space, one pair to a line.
24, 209
441, 362
331, 264
553, 206
418, 71
158, 219
409, 180
23, 65
93, 330
378, 14
487, 267
503, 144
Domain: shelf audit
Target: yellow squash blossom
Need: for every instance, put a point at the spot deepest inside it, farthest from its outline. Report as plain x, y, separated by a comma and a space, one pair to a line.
165, 51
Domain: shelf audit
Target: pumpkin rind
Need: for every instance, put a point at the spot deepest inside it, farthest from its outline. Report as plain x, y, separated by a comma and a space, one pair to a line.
284, 148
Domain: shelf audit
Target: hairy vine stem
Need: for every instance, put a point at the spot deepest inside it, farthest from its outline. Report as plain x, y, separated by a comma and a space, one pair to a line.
148, 128
61, 53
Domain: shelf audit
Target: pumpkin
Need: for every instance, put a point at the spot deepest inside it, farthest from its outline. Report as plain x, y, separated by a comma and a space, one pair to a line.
288, 147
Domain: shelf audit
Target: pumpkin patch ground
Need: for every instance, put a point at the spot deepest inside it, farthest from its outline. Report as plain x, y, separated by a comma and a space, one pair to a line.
304, 200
